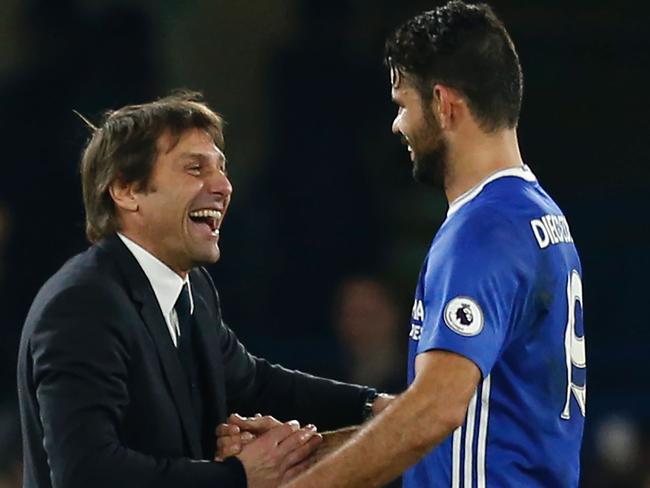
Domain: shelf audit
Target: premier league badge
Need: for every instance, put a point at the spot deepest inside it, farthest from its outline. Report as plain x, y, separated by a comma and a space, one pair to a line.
464, 316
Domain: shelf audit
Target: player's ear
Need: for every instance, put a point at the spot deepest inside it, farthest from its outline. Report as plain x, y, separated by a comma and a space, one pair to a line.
447, 105
124, 195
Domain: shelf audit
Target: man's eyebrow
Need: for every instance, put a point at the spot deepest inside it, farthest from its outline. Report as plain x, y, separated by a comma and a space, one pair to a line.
202, 156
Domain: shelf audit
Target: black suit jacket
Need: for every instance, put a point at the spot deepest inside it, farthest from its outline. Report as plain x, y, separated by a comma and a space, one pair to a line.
103, 396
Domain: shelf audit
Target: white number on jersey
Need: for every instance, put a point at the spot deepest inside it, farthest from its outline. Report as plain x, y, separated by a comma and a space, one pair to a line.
574, 347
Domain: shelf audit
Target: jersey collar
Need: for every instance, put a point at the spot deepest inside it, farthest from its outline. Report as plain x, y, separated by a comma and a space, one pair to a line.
522, 172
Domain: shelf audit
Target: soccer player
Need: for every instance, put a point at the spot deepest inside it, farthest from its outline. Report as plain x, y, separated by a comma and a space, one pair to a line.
496, 356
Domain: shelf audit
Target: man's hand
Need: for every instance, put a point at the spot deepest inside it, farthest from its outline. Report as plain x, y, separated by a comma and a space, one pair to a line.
279, 454
239, 431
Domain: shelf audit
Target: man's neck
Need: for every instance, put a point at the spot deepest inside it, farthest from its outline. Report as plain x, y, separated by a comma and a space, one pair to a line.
144, 244
479, 156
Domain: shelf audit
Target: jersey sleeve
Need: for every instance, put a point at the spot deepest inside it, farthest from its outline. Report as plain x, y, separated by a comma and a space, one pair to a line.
474, 288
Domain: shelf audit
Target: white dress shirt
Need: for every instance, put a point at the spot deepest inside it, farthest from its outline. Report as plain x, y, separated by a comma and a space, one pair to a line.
165, 282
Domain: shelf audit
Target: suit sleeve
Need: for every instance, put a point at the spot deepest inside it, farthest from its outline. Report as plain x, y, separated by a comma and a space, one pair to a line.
80, 359
254, 385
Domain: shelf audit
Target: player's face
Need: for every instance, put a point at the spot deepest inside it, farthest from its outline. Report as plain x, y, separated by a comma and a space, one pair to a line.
183, 207
420, 131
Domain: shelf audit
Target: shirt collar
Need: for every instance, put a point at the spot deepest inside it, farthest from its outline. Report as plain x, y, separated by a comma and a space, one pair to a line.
165, 282
522, 172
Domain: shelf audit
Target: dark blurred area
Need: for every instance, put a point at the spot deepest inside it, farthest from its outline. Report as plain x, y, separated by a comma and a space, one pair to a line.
324, 203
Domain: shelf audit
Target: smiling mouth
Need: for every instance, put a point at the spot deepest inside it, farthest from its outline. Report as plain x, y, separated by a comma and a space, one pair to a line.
210, 217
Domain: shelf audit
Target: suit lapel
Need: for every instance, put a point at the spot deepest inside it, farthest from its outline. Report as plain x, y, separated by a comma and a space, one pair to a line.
142, 293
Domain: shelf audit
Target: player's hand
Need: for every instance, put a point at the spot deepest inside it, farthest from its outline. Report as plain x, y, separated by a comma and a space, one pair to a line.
279, 454
239, 431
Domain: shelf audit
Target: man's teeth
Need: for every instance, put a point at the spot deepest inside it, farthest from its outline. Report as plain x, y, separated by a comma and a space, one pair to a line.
215, 214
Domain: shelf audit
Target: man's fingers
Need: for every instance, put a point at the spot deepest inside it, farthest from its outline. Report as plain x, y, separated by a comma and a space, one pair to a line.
278, 434
244, 438
225, 441
227, 429
296, 440
304, 452
247, 437
257, 425
227, 451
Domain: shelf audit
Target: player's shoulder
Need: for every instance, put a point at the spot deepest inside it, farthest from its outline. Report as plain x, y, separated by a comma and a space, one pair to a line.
498, 217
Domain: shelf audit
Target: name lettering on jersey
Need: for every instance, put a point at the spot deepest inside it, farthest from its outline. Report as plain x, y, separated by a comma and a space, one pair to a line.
418, 311
417, 315
416, 332
551, 229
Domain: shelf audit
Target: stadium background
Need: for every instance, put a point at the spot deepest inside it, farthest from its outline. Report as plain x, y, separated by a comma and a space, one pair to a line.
323, 190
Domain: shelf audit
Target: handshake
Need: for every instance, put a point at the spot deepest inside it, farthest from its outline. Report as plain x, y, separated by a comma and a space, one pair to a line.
272, 452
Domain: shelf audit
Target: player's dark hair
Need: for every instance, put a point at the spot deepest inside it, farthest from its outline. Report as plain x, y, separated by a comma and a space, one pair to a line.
465, 47
125, 147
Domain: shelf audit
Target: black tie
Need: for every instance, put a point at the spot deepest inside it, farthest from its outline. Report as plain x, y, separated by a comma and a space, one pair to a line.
184, 342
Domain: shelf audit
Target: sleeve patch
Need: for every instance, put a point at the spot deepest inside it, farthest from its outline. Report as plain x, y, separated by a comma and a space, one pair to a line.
464, 316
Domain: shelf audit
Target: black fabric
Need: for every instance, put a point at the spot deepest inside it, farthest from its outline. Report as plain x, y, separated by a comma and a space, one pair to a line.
185, 343
186, 352
104, 397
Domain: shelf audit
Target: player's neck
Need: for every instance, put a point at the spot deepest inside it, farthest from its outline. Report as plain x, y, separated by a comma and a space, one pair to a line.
478, 156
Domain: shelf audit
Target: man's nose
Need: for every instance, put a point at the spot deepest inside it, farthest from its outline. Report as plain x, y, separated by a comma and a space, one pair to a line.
219, 184
395, 126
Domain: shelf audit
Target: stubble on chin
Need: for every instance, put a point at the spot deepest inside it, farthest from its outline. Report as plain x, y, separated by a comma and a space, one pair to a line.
430, 168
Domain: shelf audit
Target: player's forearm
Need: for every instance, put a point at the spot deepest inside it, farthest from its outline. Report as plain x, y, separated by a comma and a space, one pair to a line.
416, 421
334, 439
391, 443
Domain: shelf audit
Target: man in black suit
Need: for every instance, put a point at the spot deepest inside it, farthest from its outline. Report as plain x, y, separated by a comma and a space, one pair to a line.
125, 365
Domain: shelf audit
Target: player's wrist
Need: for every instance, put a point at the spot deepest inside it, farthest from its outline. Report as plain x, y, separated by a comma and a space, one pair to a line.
374, 403
381, 402
369, 398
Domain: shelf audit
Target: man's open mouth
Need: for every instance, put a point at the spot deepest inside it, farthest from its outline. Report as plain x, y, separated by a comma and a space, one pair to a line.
207, 216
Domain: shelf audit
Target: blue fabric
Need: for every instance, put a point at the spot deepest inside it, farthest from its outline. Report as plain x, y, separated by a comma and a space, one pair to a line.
501, 286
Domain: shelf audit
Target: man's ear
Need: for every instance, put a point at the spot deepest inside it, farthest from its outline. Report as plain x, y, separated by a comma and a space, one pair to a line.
448, 106
124, 195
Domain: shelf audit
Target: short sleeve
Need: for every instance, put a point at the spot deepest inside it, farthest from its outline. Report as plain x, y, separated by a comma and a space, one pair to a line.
475, 286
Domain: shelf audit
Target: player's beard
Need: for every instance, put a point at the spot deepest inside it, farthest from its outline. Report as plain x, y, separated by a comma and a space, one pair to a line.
430, 162
430, 167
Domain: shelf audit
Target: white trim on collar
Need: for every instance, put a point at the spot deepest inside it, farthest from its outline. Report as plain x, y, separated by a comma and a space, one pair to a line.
165, 282
522, 172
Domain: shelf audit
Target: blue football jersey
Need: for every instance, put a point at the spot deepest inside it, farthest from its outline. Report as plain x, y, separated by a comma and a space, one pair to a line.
501, 285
